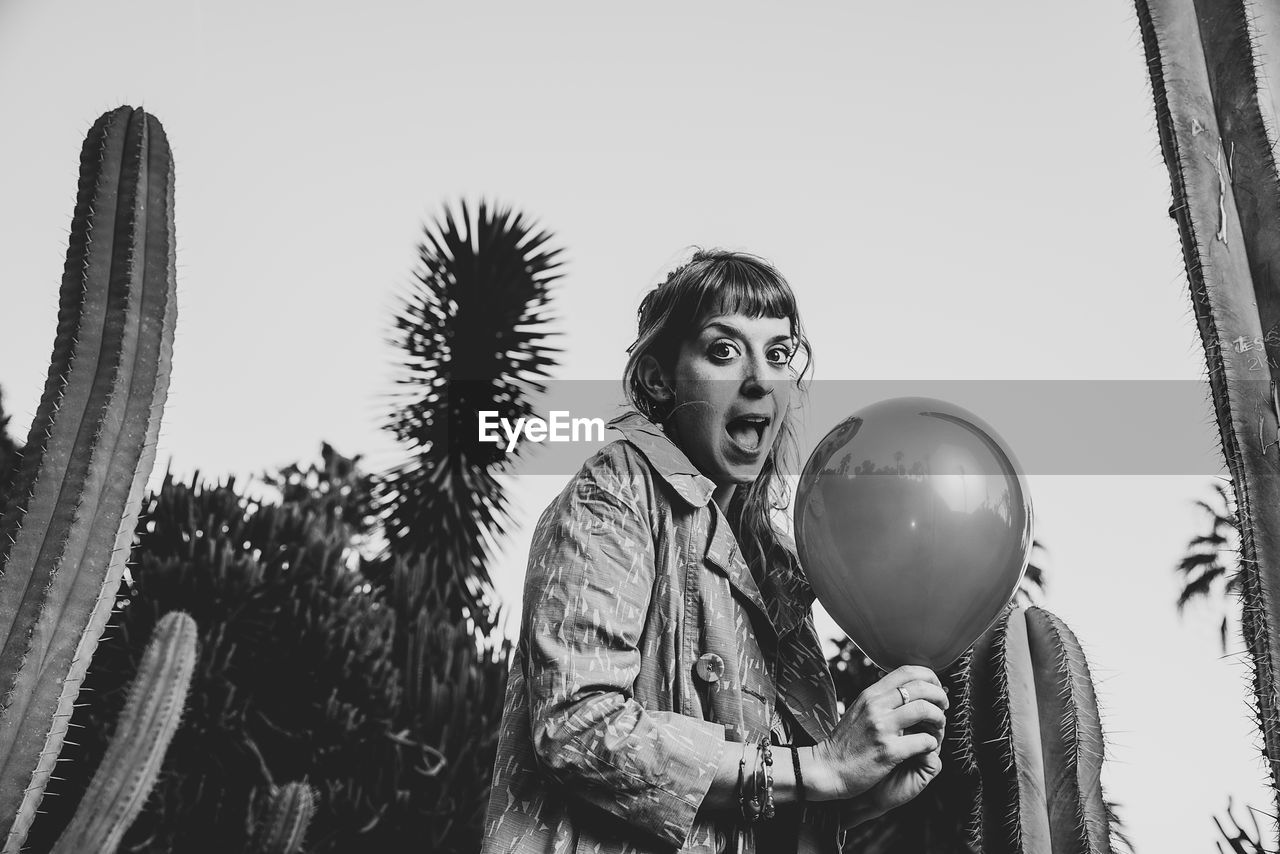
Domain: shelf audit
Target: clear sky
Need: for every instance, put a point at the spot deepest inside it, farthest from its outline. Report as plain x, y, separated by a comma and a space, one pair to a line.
956, 192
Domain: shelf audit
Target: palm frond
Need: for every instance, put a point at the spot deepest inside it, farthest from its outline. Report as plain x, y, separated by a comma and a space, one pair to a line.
1200, 585
1120, 841
1201, 561
1034, 583
1242, 841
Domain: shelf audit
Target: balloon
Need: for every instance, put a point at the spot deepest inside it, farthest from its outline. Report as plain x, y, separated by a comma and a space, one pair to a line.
913, 524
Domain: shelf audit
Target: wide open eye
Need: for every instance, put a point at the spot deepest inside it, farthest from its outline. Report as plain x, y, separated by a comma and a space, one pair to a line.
781, 355
722, 350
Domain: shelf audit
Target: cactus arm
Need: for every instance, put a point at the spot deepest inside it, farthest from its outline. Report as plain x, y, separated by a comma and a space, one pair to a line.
284, 824
1071, 735
90, 451
976, 730
131, 764
1213, 102
962, 738
992, 742
1035, 731
1025, 740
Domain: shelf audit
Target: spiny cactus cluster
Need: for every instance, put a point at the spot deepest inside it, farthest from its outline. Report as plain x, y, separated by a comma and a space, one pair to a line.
90, 450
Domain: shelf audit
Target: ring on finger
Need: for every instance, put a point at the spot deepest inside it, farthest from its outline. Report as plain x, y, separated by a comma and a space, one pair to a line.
906, 698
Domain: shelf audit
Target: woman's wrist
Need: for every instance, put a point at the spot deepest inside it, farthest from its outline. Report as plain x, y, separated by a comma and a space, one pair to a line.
820, 780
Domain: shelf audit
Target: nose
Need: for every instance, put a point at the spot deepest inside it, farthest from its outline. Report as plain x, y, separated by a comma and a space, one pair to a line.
758, 377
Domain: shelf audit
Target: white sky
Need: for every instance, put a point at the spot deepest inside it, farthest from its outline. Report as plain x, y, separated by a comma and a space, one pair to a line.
956, 191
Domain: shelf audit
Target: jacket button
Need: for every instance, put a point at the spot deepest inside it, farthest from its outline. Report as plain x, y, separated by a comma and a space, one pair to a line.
710, 667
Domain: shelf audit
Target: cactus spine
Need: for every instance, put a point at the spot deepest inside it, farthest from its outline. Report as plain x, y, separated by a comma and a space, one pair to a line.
1213, 100
284, 822
146, 726
1035, 739
90, 450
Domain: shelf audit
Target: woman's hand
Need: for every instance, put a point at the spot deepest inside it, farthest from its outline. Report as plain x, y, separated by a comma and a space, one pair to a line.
905, 782
871, 744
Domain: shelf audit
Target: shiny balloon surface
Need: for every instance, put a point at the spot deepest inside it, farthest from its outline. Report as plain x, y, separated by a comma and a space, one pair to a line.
913, 523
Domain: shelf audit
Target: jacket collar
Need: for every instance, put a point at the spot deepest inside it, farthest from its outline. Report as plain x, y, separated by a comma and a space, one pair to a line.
784, 597
665, 457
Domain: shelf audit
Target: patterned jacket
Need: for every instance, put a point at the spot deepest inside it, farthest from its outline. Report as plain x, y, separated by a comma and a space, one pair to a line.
644, 644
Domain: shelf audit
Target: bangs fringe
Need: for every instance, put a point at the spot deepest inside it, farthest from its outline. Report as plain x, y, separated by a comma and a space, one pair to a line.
736, 285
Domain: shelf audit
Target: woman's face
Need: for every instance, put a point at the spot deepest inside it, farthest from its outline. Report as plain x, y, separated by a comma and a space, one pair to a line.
733, 383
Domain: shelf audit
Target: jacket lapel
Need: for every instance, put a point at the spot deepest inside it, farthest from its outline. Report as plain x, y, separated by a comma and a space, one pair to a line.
666, 458
723, 554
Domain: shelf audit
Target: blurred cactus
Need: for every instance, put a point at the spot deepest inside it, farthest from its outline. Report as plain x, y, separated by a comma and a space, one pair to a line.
485, 275
283, 825
142, 734
471, 338
1214, 103
90, 449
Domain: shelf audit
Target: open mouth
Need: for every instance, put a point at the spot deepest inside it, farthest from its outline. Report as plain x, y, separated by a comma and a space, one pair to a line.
747, 431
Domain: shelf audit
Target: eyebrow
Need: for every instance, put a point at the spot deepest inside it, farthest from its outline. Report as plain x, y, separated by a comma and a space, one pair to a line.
733, 330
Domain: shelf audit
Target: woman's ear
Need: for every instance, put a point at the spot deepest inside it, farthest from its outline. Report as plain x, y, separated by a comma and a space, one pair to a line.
654, 379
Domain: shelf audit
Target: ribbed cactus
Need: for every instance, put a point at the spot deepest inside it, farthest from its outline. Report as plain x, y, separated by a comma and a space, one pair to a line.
1214, 99
146, 726
283, 825
1034, 739
90, 450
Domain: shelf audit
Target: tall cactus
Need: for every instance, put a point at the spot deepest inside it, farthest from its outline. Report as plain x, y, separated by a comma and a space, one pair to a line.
90, 450
146, 726
1214, 100
1035, 740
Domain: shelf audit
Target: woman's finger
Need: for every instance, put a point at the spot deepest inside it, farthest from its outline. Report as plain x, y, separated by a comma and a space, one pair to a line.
919, 712
917, 690
910, 745
886, 698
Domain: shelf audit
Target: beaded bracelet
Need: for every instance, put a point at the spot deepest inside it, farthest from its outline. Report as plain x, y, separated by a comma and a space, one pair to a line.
757, 802
742, 776
767, 755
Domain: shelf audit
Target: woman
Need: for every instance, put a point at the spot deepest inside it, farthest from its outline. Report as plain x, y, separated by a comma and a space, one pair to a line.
669, 691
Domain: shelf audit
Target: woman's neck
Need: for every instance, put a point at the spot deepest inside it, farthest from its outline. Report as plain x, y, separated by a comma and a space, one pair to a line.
722, 495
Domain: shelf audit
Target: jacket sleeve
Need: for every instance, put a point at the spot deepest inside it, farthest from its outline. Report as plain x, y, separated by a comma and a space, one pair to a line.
587, 593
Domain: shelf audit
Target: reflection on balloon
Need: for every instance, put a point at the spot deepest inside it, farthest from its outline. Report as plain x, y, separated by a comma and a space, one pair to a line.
913, 523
